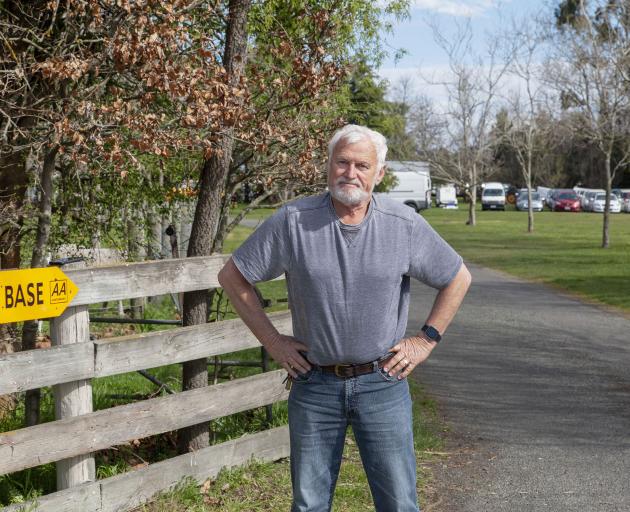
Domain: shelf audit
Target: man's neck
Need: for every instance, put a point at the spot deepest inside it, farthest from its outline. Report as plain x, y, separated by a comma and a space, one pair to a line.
351, 214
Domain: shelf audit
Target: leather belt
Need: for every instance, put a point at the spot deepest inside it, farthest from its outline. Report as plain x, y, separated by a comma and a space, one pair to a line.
353, 370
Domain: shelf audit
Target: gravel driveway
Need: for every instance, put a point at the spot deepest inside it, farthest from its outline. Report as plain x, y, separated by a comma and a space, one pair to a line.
535, 388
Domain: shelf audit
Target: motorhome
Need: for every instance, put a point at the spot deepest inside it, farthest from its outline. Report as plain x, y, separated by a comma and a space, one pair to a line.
446, 197
414, 183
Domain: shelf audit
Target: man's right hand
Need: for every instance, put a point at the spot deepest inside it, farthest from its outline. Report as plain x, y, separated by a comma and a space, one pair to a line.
285, 351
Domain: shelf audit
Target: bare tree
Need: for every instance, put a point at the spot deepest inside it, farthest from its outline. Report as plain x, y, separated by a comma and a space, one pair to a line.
529, 121
590, 71
466, 143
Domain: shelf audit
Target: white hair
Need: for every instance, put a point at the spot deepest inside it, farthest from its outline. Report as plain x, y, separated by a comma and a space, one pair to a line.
353, 133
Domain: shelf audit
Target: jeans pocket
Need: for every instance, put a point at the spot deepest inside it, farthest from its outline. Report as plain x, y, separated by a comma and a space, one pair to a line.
303, 377
386, 376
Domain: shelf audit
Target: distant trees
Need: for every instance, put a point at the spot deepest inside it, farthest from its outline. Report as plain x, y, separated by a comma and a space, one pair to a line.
591, 70
528, 129
462, 145
547, 104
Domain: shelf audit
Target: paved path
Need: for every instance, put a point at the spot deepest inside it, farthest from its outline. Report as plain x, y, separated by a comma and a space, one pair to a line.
535, 387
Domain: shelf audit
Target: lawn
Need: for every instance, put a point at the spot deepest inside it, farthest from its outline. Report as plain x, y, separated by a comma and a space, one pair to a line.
564, 250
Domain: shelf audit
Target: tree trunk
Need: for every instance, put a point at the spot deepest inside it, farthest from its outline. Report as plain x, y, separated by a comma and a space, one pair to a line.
13, 185
213, 179
606, 233
472, 205
38, 259
530, 209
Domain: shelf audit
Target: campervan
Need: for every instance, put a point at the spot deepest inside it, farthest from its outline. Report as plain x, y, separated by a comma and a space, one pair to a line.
414, 183
446, 197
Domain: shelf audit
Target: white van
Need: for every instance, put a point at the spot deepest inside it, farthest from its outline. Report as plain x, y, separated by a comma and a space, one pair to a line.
492, 196
414, 184
446, 197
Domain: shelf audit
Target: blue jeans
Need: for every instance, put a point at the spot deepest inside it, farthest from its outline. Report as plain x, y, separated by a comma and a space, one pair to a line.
378, 408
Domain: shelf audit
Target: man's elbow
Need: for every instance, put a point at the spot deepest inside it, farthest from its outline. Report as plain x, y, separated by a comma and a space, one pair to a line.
230, 276
464, 277
226, 273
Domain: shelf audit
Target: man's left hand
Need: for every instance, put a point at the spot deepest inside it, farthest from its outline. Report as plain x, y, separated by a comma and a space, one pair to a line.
408, 354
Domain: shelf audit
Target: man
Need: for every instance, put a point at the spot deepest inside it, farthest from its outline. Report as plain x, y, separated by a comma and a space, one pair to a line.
348, 257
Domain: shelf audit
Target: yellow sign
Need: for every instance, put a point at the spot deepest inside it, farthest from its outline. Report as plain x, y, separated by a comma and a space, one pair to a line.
34, 293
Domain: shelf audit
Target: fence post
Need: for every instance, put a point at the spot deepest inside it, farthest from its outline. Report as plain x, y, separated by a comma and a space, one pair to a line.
73, 398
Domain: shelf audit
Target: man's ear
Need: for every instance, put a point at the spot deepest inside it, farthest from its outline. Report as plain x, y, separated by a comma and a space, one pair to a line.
381, 174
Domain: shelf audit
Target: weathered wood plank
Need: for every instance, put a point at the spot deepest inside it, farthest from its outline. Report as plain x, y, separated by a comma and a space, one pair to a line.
146, 278
33, 369
138, 352
69, 437
44, 367
84, 498
123, 492
73, 398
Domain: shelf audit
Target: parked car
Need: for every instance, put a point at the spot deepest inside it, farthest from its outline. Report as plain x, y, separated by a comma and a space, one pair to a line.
522, 203
565, 200
600, 202
493, 197
625, 202
588, 198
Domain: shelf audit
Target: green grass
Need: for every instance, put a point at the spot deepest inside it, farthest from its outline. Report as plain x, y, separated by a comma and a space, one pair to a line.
267, 487
255, 214
563, 251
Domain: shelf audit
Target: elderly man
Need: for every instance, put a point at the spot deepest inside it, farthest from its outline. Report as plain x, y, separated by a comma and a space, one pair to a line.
348, 257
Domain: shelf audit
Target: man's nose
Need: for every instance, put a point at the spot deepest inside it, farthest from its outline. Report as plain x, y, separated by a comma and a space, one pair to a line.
351, 170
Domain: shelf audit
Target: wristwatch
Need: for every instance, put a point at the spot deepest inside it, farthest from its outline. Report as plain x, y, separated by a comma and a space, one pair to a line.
432, 333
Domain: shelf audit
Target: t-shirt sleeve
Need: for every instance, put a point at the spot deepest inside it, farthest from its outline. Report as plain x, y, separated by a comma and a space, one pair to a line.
433, 261
265, 254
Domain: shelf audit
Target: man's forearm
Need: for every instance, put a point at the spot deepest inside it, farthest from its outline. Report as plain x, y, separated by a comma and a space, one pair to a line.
448, 300
246, 303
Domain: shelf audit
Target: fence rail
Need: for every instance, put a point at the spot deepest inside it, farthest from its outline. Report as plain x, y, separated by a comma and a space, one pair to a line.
123, 492
75, 360
100, 358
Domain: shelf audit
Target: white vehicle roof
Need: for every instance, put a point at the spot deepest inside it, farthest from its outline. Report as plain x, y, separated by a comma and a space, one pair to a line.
492, 184
407, 166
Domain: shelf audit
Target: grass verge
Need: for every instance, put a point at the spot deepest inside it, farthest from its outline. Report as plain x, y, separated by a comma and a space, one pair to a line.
563, 251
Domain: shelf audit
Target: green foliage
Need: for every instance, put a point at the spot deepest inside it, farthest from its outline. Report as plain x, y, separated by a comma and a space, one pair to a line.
27, 485
388, 182
357, 23
368, 107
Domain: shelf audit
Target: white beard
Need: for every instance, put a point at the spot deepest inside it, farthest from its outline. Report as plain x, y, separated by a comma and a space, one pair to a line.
348, 196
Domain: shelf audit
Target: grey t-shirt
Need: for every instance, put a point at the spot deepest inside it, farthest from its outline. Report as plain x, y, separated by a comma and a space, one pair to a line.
348, 295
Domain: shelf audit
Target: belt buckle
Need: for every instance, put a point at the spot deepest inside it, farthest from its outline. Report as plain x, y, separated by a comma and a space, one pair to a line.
337, 368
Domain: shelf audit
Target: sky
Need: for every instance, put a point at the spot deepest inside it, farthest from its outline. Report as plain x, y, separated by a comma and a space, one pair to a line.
424, 57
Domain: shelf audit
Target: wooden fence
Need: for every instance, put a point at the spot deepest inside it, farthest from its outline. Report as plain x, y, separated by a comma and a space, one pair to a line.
78, 431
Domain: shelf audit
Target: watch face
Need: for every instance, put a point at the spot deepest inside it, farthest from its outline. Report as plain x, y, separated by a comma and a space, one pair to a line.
432, 332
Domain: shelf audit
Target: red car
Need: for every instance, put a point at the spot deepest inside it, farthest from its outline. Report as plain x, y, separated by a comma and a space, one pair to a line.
566, 201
